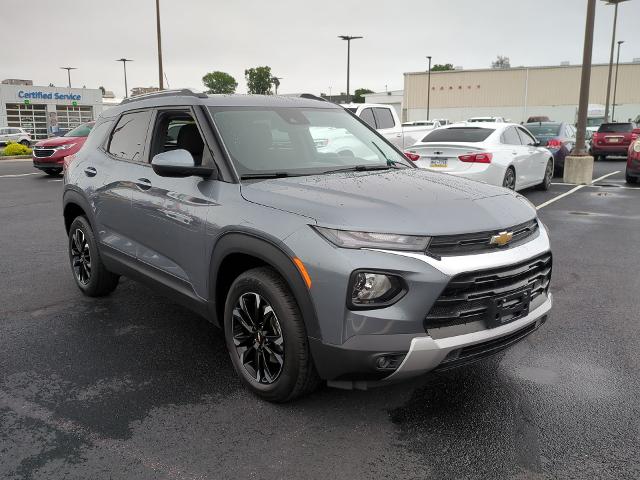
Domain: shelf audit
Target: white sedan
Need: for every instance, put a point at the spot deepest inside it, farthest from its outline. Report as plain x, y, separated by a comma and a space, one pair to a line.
503, 154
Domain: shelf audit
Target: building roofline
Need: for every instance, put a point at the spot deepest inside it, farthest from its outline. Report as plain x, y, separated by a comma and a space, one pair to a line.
537, 67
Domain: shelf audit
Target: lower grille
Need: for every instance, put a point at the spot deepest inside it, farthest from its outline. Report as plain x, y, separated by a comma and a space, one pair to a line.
474, 296
43, 152
472, 353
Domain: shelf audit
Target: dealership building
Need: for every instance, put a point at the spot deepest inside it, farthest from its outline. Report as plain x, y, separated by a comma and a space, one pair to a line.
47, 111
517, 93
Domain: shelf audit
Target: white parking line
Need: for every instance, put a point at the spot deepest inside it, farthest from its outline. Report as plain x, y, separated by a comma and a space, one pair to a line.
19, 175
573, 190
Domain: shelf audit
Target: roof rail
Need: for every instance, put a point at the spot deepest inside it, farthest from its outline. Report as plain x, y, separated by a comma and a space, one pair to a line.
184, 92
308, 96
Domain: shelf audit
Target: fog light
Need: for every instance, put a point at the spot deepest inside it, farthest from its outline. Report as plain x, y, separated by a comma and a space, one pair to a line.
369, 288
389, 362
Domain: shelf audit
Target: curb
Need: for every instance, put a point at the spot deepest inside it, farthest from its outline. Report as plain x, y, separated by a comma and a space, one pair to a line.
15, 157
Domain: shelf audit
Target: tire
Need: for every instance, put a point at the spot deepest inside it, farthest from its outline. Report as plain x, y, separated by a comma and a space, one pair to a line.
548, 176
24, 142
509, 180
629, 179
601, 158
280, 333
53, 172
96, 280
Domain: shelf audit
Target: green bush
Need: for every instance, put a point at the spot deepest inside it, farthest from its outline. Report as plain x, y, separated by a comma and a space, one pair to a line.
13, 148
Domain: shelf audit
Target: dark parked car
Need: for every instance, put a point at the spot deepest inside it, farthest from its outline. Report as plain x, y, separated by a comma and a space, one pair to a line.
558, 137
613, 139
632, 173
355, 268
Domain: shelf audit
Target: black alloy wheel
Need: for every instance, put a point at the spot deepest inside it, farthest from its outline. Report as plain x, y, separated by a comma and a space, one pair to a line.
509, 179
80, 257
257, 337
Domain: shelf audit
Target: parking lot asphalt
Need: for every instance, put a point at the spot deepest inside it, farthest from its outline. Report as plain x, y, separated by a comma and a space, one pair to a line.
134, 386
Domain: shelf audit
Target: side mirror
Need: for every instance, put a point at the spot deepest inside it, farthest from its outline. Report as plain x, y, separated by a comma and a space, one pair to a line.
178, 163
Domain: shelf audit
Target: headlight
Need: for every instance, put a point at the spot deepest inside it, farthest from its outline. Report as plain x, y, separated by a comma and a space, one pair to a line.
636, 146
386, 241
374, 289
66, 147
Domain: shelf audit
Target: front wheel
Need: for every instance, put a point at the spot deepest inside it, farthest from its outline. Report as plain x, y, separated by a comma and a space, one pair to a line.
629, 179
266, 337
90, 274
548, 175
509, 180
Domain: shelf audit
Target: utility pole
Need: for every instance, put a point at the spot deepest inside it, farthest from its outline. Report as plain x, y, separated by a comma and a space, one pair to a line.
613, 43
160, 75
348, 38
124, 66
68, 69
429, 88
615, 84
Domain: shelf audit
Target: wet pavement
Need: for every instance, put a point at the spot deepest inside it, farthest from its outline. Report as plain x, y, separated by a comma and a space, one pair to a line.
134, 386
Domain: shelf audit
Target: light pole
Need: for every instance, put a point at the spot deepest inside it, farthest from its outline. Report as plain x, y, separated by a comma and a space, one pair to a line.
583, 106
613, 43
615, 84
429, 87
330, 99
160, 75
348, 38
124, 66
68, 69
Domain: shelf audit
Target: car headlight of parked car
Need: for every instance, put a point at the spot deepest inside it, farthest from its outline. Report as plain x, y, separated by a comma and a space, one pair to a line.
66, 147
385, 241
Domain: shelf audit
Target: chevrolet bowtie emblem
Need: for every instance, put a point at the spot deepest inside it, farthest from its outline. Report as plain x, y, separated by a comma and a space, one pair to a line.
501, 239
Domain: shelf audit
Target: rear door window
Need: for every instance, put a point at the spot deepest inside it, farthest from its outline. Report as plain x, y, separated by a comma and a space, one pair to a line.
367, 116
510, 137
384, 118
130, 135
525, 137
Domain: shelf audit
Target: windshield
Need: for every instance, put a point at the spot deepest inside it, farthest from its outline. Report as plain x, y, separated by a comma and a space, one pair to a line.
459, 134
81, 131
300, 141
615, 128
547, 130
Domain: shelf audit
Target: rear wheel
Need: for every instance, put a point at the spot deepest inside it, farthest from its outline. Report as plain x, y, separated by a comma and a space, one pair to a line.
548, 176
91, 276
266, 337
24, 142
601, 158
509, 180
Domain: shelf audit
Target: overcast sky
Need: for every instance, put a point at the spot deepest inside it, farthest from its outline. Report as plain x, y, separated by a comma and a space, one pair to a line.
297, 38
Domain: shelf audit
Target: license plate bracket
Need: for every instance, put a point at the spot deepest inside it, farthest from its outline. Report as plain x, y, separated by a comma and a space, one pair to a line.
508, 308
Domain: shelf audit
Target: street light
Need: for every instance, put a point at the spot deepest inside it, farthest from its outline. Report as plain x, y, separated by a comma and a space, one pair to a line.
68, 69
348, 38
429, 87
615, 84
613, 42
160, 75
124, 66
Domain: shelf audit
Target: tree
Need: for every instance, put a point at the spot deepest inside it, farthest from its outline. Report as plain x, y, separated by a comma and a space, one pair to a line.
259, 80
219, 82
358, 95
442, 67
501, 62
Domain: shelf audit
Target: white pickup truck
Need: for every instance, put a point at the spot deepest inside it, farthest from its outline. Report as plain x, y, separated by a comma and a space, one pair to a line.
385, 120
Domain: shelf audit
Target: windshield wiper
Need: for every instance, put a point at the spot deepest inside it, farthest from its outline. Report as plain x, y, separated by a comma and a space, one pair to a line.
391, 163
359, 168
250, 176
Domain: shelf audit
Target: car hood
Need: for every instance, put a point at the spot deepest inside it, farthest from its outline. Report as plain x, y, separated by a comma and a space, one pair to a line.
57, 141
410, 201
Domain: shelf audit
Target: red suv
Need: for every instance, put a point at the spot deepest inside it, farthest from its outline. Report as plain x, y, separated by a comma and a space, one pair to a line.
48, 155
613, 139
632, 173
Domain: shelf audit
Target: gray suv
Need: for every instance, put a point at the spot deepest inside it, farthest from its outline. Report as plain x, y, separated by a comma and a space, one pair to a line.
320, 251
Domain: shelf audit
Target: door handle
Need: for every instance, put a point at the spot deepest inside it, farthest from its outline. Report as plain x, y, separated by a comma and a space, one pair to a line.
90, 172
143, 183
